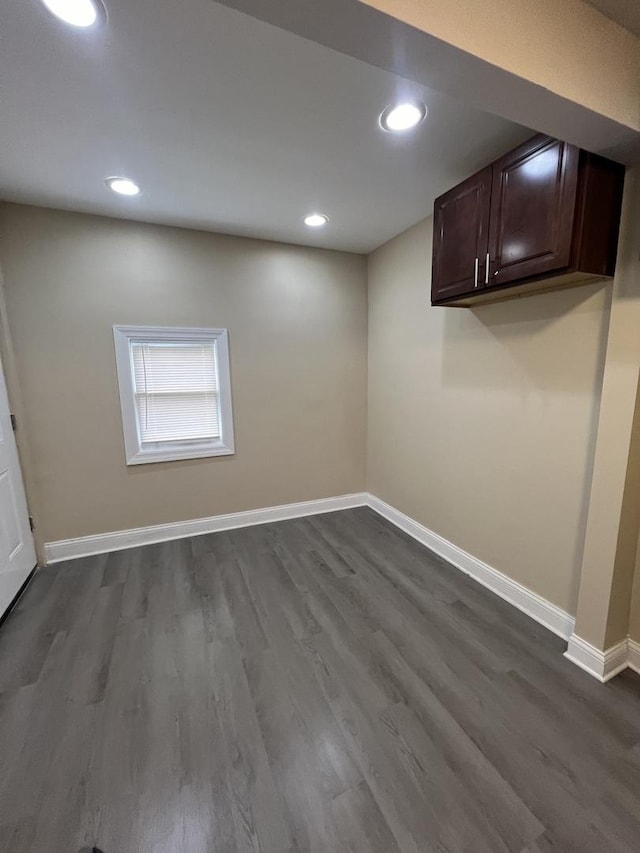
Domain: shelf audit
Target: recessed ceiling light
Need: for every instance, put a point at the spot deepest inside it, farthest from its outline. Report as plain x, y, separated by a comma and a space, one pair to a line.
316, 220
123, 186
399, 117
78, 13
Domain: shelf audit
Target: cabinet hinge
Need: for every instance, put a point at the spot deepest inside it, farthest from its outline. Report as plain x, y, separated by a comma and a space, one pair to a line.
14, 426
32, 523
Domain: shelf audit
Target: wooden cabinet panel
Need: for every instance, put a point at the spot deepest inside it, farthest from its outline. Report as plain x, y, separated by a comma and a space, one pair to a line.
461, 233
545, 215
533, 200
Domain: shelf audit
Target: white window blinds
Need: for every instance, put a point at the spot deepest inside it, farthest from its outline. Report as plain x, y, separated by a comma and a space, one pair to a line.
176, 389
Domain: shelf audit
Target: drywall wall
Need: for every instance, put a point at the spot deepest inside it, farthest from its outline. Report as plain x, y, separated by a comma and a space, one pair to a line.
297, 332
619, 610
482, 422
614, 502
634, 610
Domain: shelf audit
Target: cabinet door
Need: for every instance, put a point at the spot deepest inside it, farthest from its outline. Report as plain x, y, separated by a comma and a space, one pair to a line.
532, 210
460, 238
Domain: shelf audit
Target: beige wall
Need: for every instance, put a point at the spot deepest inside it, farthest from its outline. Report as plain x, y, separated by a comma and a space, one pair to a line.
482, 422
618, 613
634, 614
610, 541
297, 332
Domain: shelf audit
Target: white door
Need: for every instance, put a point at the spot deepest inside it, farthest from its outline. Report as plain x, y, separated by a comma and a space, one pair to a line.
17, 551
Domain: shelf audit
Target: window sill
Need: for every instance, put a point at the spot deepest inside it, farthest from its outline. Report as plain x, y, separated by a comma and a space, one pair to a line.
174, 454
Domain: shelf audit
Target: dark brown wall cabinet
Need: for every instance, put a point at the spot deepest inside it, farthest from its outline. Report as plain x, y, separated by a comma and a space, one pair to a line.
544, 216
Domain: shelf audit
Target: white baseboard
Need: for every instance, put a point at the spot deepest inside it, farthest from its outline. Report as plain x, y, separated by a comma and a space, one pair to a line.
633, 660
84, 546
538, 608
599, 664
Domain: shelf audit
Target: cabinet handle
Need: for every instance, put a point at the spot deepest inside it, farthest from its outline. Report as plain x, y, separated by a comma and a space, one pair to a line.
475, 278
486, 269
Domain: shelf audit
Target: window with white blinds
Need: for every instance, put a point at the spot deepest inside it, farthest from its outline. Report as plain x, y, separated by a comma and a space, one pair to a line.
175, 392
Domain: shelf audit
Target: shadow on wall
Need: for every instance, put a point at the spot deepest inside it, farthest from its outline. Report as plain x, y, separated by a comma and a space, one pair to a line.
538, 343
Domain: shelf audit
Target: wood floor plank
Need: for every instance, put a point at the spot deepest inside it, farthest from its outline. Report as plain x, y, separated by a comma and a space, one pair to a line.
361, 825
321, 684
335, 771
492, 794
458, 820
257, 806
303, 775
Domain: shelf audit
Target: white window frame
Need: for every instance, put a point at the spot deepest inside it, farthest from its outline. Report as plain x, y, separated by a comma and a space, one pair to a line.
135, 452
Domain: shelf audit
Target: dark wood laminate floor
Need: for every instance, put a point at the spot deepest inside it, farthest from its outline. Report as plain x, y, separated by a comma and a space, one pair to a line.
324, 684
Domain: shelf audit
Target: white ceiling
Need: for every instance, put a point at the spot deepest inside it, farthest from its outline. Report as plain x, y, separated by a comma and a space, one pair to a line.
228, 123
624, 12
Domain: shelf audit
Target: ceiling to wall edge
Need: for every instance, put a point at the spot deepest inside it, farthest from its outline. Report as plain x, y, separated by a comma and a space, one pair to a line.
428, 61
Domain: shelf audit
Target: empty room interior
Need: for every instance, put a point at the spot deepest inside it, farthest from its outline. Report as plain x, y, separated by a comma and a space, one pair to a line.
320, 426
